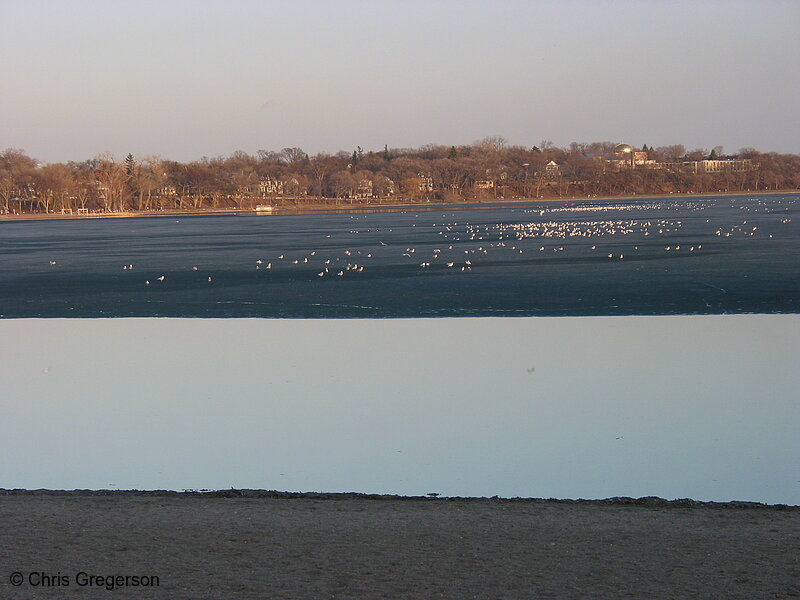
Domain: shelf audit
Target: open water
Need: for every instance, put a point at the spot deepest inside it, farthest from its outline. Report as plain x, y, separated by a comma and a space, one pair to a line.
711, 255
703, 407
693, 404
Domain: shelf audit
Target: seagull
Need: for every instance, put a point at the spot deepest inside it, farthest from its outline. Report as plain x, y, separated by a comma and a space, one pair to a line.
162, 278
52, 262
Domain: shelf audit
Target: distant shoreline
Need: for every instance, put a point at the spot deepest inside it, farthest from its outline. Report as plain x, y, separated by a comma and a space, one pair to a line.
651, 501
326, 208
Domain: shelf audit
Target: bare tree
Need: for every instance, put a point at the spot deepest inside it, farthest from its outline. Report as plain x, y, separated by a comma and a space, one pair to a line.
491, 144
243, 183
52, 183
293, 157
342, 184
320, 167
672, 154
111, 178
150, 176
16, 177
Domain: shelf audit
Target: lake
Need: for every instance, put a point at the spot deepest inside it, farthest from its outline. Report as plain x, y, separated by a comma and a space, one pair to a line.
653, 352
673, 406
715, 255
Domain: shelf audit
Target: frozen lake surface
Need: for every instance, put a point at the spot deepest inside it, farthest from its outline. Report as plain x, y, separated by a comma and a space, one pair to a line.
711, 255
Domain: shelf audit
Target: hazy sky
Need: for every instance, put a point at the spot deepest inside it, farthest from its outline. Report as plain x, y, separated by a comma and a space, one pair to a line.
184, 79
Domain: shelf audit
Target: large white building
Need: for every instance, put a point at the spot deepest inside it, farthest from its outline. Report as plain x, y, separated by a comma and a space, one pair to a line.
720, 166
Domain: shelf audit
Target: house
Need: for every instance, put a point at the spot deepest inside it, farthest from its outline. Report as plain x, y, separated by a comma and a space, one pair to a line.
625, 157
270, 186
425, 182
363, 189
552, 170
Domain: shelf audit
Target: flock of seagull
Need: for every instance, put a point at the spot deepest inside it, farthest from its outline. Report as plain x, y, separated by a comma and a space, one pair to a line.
460, 246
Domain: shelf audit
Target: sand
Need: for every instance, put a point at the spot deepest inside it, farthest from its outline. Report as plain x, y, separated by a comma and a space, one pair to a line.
244, 544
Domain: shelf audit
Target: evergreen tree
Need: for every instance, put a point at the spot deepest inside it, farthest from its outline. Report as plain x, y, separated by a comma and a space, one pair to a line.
453, 153
130, 166
386, 155
535, 149
130, 174
713, 155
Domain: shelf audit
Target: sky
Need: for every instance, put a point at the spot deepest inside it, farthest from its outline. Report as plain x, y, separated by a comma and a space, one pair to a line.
185, 79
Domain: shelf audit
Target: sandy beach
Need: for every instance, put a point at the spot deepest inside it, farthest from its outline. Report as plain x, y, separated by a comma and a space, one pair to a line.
255, 544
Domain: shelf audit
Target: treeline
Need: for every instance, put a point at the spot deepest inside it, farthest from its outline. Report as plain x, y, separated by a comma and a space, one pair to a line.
488, 169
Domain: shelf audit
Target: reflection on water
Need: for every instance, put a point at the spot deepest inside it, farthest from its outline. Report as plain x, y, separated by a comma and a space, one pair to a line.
702, 407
